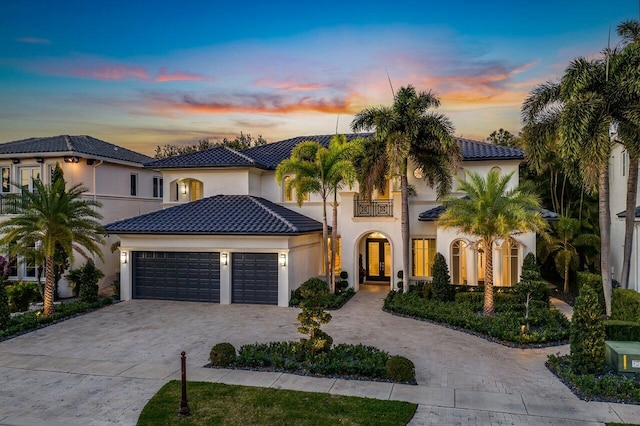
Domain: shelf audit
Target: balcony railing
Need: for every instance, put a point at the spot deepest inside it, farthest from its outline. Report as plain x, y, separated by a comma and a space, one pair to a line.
372, 208
9, 204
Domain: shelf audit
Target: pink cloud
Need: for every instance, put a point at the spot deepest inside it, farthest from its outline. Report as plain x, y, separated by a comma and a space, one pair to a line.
33, 40
164, 76
288, 85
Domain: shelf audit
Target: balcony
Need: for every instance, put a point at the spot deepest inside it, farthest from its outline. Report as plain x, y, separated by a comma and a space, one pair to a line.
9, 204
372, 208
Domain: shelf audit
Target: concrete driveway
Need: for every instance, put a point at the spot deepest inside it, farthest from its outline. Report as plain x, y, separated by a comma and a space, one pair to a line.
101, 368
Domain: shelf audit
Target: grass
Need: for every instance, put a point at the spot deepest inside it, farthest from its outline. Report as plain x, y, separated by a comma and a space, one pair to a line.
220, 404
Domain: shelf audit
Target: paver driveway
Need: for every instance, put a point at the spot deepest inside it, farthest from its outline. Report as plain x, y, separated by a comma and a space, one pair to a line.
101, 368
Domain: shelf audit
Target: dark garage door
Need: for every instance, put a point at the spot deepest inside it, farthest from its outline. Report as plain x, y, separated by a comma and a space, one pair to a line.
176, 276
254, 278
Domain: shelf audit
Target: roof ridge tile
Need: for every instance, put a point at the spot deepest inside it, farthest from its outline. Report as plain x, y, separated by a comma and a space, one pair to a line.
273, 213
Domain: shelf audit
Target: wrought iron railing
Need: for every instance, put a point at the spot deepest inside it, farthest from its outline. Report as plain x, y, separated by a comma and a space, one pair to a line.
9, 204
372, 208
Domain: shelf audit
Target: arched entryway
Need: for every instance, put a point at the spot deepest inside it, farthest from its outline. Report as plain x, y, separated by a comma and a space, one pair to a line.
375, 259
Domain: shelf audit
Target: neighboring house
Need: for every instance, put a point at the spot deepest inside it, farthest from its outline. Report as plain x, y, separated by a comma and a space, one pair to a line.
230, 233
618, 173
113, 175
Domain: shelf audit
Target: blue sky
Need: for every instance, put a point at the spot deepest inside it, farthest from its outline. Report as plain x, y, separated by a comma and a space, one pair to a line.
144, 73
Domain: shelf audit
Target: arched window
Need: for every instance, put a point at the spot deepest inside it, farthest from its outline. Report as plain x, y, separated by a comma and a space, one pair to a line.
289, 194
459, 262
497, 170
510, 263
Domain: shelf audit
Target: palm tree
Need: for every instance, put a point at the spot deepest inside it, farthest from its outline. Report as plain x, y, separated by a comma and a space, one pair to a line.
576, 115
407, 130
323, 171
53, 216
491, 212
563, 247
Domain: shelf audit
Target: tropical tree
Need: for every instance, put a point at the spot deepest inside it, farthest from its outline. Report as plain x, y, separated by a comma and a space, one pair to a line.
51, 215
491, 212
563, 247
407, 130
316, 169
576, 116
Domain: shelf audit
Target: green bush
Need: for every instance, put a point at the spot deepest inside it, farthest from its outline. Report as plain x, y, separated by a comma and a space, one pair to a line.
400, 369
318, 286
341, 286
342, 360
21, 295
222, 355
587, 333
5, 313
594, 281
478, 298
315, 298
549, 326
622, 330
441, 284
84, 281
625, 305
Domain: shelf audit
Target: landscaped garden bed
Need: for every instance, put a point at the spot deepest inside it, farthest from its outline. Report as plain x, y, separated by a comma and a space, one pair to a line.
29, 321
331, 301
547, 326
220, 404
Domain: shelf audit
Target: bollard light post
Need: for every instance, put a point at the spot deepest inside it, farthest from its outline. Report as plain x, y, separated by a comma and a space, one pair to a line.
184, 405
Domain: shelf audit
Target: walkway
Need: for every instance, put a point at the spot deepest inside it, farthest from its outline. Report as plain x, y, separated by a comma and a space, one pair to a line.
101, 368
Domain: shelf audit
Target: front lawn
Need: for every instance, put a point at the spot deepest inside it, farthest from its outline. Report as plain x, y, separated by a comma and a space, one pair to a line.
29, 321
220, 404
604, 386
547, 326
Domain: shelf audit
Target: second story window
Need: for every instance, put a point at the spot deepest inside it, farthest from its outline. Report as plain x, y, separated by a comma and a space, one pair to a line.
157, 187
289, 192
134, 184
27, 176
6, 179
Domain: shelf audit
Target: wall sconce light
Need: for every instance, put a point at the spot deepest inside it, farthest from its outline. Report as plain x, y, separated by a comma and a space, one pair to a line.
123, 257
183, 188
224, 259
70, 159
283, 259
39, 160
90, 161
15, 160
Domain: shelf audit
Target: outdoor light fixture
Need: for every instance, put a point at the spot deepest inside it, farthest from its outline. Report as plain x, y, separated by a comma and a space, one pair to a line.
15, 160
184, 188
69, 159
123, 257
39, 160
283, 259
224, 259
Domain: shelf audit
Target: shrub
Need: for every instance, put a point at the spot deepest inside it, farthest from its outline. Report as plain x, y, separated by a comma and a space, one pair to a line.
341, 286
478, 298
344, 275
530, 268
587, 333
531, 285
222, 355
622, 330
315, 297
625, 305
84, 281
22, 295
441, 284
595, 282
4, 306
400, 369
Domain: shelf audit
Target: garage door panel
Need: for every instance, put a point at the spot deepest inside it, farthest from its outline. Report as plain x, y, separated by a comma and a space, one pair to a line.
255, 278
190, 276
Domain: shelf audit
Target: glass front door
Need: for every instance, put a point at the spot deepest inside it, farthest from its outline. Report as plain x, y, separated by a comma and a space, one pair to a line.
378, 260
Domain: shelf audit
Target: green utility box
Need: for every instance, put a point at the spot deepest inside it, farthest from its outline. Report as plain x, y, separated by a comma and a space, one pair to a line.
624, 357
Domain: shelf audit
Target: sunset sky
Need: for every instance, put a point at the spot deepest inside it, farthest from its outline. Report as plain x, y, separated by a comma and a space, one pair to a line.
142, 73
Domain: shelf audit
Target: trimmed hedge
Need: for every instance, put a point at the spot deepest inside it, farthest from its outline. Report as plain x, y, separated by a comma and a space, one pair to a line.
628, 331
587, 333
548, 325
625, 305
595, 282
476, 297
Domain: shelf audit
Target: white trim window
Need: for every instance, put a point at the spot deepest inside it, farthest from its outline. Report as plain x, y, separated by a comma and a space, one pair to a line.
27, 176
6, 179
158, 189
134, 184
423, 253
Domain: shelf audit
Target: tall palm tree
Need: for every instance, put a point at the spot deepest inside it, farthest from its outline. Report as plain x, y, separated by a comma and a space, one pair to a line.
53, 216
563, 247
576, 115
320, 170
491, 212
408, 129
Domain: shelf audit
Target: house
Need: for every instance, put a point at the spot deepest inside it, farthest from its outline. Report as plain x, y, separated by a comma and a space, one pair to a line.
113, 175
618, 174
230, 233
